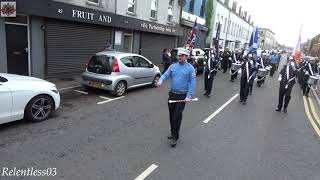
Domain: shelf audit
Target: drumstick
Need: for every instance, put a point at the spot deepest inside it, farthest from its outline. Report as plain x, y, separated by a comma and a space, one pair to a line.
176, 101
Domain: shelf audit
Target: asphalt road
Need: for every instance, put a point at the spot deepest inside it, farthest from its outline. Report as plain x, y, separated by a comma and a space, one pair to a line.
120, 139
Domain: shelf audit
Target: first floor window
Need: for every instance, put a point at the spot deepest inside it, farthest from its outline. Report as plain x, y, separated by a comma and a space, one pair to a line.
94, 1
132, 6
154, 9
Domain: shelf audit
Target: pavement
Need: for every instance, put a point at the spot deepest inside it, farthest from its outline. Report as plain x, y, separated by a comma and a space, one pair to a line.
97, 136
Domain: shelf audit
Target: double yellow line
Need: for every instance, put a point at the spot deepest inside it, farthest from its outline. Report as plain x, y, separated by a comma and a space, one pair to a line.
312, 115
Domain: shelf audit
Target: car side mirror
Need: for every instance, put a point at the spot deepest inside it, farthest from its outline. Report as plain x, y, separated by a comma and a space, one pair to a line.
151, 65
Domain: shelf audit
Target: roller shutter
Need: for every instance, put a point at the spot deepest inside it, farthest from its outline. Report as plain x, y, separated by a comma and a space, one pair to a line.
71, 44
152, 46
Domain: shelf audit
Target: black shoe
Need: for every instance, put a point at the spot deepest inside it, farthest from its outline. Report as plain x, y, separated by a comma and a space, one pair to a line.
170, 137
244, 102
278, 109
241, 101
208, 95
173, 143
285, 110
205, 94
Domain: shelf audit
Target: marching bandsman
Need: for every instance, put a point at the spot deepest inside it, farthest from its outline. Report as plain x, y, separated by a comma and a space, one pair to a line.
225, 60
253, 61
262, 63
246, 76
234, 72
183, 84
287, 81
209, 70
310, 69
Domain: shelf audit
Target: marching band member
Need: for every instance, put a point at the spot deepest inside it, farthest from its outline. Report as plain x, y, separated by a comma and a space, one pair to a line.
246, 77
234, 73
261, 64
254, 66
183, 84
209, 71
225, 60
287, 81
310, 69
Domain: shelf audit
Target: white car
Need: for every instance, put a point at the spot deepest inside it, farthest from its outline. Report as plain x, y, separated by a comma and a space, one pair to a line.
26, 97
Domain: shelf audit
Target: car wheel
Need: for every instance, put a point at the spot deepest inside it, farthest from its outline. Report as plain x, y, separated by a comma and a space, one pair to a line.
120, 89
39, 108
155, 80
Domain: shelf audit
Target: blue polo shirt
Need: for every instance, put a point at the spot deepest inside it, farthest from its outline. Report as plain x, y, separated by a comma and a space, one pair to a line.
183, 78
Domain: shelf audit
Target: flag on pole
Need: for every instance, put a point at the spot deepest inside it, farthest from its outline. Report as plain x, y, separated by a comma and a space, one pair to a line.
253, 44
192, 37
217, 39
297, 50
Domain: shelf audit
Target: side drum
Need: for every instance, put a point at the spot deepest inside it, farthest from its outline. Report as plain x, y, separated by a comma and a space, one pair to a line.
263, 72
235, 66
313, 80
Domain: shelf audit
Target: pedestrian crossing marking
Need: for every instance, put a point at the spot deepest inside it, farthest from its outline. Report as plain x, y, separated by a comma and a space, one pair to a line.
313, 123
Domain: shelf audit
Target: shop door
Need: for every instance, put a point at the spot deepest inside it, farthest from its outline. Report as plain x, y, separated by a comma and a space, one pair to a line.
17, 49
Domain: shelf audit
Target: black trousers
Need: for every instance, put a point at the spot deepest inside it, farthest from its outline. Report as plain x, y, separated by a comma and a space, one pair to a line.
175, 112
165, 66
208, 82
305, 85
244, 90
234, 74
284, 94
224, 66
259, 82
273, 69
301, 78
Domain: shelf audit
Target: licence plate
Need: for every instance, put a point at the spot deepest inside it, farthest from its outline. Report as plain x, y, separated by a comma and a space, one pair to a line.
96, 84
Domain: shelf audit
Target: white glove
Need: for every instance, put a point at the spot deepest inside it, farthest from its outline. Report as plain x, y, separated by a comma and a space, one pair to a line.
279, 78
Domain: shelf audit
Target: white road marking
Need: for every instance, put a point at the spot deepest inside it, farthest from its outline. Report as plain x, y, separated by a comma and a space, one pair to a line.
220, 109
103, 97
66, 88
103, 102
82, 92
147, 172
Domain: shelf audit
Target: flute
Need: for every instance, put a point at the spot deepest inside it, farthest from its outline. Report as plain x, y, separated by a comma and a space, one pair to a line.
176, 101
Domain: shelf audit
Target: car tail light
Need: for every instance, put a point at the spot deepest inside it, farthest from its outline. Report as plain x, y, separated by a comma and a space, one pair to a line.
115, 67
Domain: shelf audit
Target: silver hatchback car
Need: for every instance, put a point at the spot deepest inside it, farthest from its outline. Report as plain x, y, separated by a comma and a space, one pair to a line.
118, 71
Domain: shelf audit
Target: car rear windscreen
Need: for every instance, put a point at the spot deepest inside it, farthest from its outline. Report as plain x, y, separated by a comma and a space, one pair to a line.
100, 64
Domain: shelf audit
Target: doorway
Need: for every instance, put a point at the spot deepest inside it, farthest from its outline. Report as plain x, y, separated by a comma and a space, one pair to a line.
127, 42
17, 45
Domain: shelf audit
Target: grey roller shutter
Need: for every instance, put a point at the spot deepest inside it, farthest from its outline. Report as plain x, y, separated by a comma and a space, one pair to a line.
71, 44
152, 46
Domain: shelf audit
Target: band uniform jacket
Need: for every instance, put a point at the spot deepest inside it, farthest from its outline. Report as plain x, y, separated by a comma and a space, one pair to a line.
285, 78
213, 63
244, 76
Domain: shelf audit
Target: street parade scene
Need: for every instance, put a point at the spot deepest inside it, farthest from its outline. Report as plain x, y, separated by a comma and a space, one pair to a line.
163, 90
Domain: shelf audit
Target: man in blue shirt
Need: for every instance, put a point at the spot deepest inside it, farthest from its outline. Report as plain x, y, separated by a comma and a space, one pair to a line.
275, 59
183, 84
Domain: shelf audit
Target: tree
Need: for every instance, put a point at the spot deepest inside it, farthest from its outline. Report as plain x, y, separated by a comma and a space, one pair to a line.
182, 3
209, 13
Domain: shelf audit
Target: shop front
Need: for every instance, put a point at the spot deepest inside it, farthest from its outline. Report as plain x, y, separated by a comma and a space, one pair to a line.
55, 40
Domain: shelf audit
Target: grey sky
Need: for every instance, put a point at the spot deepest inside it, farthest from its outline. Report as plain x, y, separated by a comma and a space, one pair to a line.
285, 17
